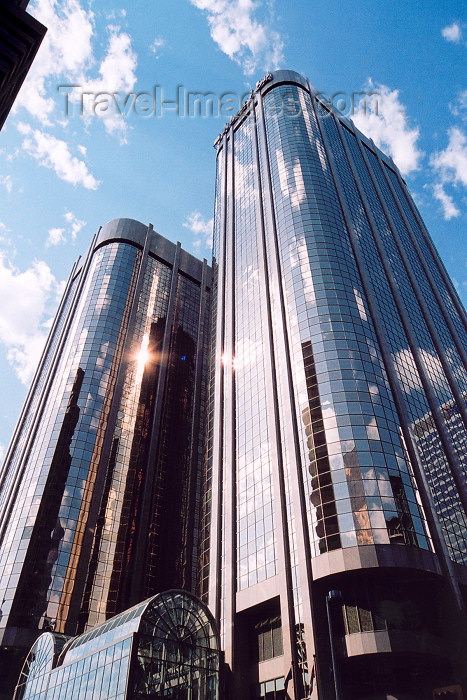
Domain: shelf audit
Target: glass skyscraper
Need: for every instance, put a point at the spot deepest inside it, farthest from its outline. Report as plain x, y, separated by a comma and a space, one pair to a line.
334, 538
99, 493
325, 524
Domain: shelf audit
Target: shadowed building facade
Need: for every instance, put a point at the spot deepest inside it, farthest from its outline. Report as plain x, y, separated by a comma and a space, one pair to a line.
100, 486
20, 38
332, 558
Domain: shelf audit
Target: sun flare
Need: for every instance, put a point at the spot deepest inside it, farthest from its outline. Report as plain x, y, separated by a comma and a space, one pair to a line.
143, 354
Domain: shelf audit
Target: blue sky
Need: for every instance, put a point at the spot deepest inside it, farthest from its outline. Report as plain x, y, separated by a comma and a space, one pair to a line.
62, 174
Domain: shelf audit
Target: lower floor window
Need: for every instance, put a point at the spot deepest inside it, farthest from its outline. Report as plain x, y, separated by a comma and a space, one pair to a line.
270, 690
268, 634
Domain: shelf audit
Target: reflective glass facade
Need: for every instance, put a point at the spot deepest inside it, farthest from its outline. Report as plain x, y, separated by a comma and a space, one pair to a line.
337, 333
100, 488
165, 647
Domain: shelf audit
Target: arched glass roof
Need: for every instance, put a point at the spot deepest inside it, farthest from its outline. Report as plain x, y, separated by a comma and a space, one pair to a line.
180, 617
177, 651
175, 615
39, 662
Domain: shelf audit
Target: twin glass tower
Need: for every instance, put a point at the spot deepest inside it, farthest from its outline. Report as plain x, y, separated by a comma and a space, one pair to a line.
100, 487
325, 522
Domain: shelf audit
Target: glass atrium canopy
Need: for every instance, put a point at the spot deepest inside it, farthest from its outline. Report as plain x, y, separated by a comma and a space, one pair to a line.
165, 647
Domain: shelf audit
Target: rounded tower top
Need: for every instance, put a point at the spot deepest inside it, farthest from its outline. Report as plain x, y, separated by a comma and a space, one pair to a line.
286, 76
130, 229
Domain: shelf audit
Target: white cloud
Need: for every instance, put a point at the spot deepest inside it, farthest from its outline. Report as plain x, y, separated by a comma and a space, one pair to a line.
7, 182
450, 166
157, 45
62, 60
76, 224
117, 69
55, 237
449, 208
116, 15
459, 106
55, 154
28, 301
60, 53
117, 73
452, 162
201, 229
384, 119
239, 34
6, 242
453, 33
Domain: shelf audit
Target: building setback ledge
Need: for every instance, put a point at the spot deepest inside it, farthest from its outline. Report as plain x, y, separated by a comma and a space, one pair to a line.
374, 556
387, 641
